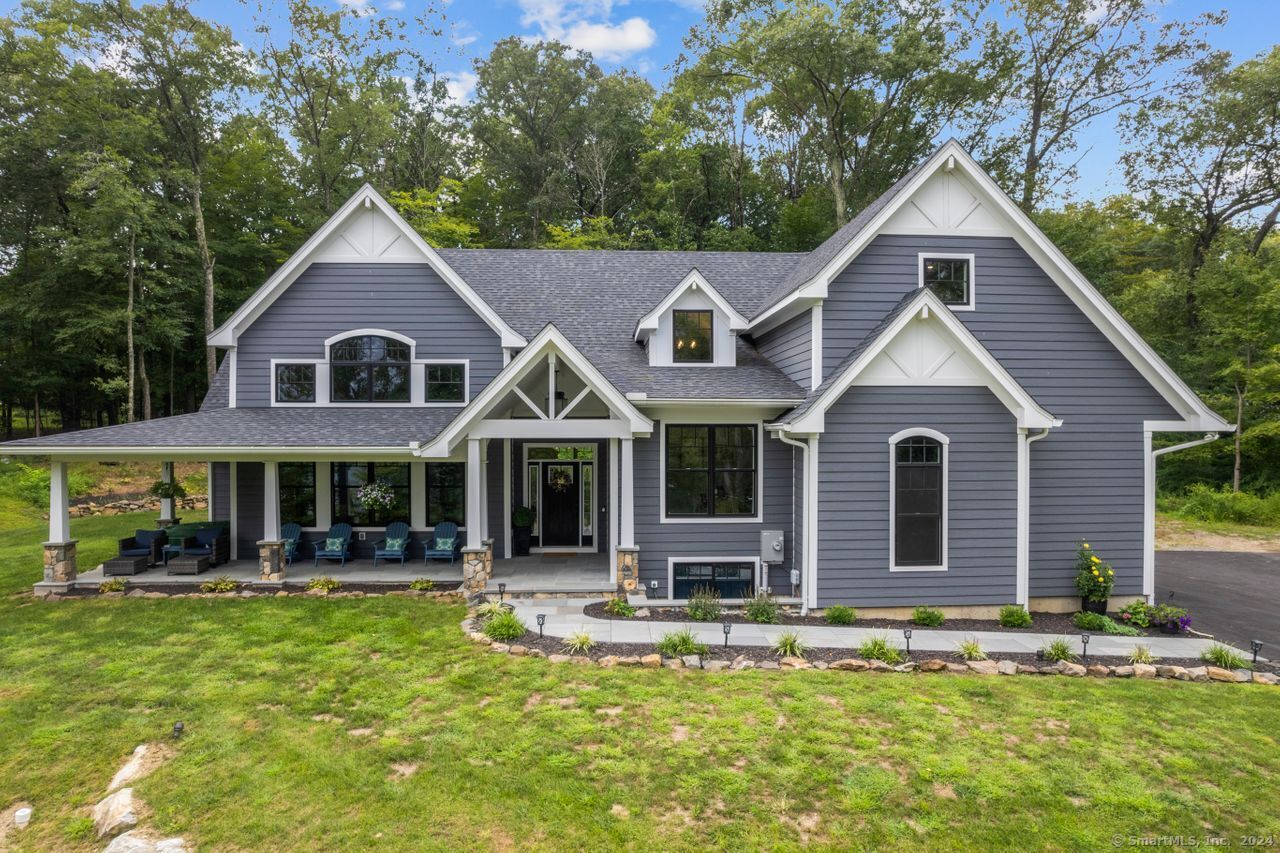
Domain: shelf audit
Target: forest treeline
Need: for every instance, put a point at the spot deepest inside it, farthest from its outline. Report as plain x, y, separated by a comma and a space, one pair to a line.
154, 170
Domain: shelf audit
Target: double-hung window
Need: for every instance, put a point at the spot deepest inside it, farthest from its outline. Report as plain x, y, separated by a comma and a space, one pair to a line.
711, 470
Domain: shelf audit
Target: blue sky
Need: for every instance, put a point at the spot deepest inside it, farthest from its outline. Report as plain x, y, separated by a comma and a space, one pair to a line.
645, 36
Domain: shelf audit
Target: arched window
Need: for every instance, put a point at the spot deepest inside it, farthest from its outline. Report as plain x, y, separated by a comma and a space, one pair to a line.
369, 369
918, 500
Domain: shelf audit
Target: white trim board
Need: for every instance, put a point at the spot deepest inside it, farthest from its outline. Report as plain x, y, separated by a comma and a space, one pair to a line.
758, 571
648, 324
364, 199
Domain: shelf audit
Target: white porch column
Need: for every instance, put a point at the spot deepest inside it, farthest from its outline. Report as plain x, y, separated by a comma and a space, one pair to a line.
475, 505
613, 513
627, 496
166, 504
59, 499
270, 501
484, 489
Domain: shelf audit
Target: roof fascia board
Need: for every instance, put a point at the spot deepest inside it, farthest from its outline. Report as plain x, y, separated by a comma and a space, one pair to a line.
648, 324
550, 339
226, 334
1028, 412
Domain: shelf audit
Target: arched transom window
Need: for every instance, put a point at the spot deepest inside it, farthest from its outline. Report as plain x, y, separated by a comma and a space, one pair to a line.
919, 502
369, 369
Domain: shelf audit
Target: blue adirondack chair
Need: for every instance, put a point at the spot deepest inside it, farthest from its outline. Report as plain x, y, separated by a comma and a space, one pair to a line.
394, 544
290, 535
445, 543
340, 531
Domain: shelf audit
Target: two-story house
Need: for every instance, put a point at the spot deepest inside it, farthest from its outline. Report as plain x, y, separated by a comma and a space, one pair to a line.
932, 407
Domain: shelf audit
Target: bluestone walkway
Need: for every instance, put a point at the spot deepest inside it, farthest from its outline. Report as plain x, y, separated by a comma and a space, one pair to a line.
565, 616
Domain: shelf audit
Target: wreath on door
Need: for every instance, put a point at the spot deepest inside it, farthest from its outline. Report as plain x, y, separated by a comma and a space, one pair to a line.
560, 479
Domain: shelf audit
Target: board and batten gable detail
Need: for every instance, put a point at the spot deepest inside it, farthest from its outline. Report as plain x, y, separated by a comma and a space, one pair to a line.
328, 299
854, 497
790, 347
659, 542
1086, 475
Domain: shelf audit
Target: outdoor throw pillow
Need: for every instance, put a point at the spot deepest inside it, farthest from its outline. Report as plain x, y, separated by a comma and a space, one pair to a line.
444, 544
334, 544
395, 544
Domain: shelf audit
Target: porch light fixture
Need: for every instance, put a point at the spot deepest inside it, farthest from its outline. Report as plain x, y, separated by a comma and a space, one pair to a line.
177, 730
1256, 645
727, 626
542, 620
1084, 645
502, 590
906, 635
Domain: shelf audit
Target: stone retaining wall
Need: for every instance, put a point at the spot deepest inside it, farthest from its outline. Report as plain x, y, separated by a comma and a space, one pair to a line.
122, 506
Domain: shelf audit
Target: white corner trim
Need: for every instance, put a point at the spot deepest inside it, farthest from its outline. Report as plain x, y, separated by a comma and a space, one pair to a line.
758, 518
815, 347
231, 379
946, 488
648, 324
972, 303
754, 560
365, 197
1015, 398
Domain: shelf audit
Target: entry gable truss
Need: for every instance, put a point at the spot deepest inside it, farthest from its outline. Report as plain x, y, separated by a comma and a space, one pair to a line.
527, 389
696, 282
367, 229
950, 194
922, 344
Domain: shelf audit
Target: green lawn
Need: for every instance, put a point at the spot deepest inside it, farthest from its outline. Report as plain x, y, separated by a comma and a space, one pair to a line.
515, 751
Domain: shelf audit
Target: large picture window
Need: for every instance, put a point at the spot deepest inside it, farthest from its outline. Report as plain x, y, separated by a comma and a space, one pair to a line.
711, 471
446, 492
691, 337
348, 477
369, 369
731, 580
298, 493
918, 506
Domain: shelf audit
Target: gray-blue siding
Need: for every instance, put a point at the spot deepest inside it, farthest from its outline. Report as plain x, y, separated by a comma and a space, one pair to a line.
853, 497
790, 347
328, 299
658, 542
1086, 477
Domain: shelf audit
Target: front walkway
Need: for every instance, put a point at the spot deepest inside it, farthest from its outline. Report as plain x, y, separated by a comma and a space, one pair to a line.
565, 616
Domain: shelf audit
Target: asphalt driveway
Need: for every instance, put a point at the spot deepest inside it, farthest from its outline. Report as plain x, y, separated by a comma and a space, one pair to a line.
1234, 596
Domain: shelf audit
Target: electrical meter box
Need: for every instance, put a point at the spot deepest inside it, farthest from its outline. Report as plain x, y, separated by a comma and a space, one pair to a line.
772, 543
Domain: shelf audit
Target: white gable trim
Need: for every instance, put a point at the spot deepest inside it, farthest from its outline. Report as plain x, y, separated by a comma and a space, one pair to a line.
648, 324
952, 156
550, 341
927, 305
365, 198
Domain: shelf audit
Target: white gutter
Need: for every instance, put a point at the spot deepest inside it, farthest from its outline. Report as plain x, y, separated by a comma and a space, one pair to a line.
1149, 504
810, 511
1208, 437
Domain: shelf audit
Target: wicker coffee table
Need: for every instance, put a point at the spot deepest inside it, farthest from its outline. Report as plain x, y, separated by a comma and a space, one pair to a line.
124, 566
184, 565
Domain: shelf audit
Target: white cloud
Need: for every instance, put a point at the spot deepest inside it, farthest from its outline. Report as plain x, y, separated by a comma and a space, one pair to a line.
460, 85
395, 5
585, 25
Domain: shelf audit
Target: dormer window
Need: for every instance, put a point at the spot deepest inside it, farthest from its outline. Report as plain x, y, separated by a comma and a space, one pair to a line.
691, 337
369, 369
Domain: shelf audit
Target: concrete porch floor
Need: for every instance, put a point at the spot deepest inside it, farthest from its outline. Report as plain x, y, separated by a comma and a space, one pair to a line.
582, 573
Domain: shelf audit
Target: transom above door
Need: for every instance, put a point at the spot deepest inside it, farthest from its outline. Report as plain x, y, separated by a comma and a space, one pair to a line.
560, 486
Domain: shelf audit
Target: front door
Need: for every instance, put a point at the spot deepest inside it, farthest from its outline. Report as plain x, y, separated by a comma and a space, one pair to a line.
561, 506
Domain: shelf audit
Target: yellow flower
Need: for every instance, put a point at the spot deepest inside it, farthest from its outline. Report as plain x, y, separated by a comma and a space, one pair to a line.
1095, 559
1095, 573
1111, 571
1084, 544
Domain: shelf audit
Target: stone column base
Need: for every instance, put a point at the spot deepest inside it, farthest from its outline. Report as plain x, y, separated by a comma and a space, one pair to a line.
629, 571
60, 562
270, 561
166, 523
477, 567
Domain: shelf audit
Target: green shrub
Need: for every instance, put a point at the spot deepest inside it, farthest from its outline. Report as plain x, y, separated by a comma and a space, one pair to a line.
1164, 614
222, 583
1137, 614
1086, 621
112, 585
839, 614
680, 643
762, 608
619, 607
1059, 650
487, 610
1142, 654
704, 605
1015, 616
970, 649
929, 617
422, 584
1224, 656
789, 645
30, 484
504, 627
1203, 503
578, 643
878, 647
324, 582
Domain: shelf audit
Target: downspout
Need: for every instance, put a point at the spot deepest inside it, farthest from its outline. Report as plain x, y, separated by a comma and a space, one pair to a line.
1150, 457
804, 567
1186, 445
1023, 581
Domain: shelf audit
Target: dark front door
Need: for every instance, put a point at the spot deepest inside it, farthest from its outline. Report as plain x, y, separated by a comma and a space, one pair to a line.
560, 505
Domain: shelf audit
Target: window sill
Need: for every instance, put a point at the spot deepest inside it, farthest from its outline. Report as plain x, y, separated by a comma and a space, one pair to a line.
917, 568
713, 519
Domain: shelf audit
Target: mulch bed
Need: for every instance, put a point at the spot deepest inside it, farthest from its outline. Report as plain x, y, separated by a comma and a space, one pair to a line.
1041, 623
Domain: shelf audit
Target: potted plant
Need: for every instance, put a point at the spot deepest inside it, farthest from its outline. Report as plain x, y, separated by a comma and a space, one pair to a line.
376, 497
1172, 620
1094, 580
522, 519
